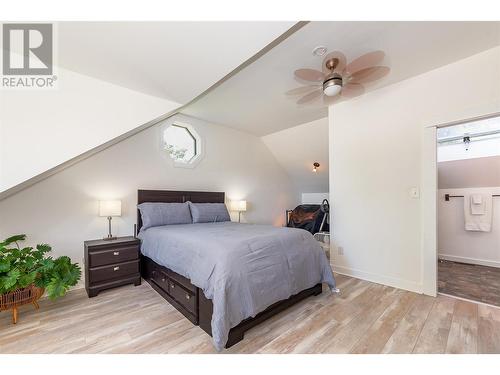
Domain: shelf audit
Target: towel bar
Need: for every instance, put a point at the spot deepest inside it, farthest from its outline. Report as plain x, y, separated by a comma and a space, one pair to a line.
448, 196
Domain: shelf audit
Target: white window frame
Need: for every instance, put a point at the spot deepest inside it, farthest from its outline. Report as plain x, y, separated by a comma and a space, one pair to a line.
200, 147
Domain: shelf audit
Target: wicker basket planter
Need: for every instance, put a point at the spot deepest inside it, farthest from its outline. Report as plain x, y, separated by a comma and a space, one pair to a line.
16, 298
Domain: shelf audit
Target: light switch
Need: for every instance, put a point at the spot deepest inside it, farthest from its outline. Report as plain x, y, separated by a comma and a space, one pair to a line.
415, 192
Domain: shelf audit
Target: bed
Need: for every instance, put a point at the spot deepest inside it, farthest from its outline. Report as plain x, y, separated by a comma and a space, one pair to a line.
227, 277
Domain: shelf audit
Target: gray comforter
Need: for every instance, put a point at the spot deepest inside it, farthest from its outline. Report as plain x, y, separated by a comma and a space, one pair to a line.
242, 268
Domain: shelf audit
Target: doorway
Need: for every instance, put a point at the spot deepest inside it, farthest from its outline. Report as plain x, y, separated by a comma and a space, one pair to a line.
468, 210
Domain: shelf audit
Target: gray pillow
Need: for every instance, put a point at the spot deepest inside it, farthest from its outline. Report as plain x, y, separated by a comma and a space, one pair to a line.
209, 212
157, 214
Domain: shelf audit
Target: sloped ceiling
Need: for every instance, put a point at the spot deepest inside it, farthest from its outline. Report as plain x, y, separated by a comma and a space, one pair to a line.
254, 100
297, 148
115, 78
172, 60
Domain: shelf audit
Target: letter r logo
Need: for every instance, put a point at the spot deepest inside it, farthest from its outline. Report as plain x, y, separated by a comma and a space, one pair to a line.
27, 49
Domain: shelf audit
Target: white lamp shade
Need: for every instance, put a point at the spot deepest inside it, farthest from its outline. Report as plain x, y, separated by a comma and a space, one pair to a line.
110, 208
238, 205
332, 90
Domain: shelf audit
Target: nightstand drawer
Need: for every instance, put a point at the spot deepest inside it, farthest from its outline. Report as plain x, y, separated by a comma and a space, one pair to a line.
112, 256
114, 271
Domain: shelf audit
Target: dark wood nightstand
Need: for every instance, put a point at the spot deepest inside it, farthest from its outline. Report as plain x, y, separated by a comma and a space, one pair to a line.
111, 263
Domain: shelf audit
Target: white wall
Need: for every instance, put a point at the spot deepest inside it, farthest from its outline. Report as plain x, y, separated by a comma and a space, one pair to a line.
457, 244
40, 129
468, 173
376, 157
314, 198
62, 209
297, 148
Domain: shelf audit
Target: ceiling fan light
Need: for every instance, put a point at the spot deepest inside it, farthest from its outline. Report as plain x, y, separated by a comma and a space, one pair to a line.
332, 85
332, 90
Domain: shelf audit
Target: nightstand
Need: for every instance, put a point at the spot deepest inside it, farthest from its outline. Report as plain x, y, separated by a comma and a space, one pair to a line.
111, 263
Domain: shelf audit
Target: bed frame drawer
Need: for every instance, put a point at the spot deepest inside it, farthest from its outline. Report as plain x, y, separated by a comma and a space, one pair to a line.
181, 280
167, 282
171, 286
183, 296
112, 256
160, 278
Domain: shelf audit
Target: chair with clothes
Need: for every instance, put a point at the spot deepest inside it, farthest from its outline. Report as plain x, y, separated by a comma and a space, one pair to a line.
311, 217
315, 218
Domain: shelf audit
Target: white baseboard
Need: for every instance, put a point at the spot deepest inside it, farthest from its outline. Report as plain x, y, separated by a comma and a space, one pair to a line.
480, 262
379, 279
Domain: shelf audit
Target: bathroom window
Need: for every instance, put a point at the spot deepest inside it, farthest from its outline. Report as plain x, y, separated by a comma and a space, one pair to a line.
181, 143
469, 140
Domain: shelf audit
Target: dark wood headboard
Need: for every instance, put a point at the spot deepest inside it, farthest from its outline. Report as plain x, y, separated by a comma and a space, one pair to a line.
173, 196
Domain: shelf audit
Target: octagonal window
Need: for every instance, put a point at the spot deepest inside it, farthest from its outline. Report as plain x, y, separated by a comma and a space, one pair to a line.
181, 143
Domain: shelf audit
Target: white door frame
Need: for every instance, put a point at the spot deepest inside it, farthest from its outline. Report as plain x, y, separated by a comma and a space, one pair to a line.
429, 196
429, 211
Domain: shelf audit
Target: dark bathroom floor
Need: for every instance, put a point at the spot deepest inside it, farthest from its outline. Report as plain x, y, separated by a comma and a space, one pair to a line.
478, 283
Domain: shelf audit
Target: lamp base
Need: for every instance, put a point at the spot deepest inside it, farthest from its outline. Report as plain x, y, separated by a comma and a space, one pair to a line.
109, 237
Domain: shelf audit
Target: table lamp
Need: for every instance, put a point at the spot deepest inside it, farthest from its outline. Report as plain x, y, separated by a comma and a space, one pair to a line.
109, 209
239, 206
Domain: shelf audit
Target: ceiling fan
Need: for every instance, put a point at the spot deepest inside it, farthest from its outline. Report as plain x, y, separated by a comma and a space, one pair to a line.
339, 79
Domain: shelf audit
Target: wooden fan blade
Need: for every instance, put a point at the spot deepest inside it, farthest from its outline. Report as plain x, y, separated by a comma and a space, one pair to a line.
365, 61
352, 89
310, 97
334, 55
302, 90
310, 75
369, 74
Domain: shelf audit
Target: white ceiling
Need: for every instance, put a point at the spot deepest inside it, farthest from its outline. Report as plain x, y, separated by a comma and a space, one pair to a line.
171, 60
253, 100
297, 148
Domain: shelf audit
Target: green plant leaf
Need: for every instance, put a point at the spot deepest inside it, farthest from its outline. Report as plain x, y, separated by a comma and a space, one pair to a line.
56, 288
63, 260
46, 265
29, 263
26, 279
41, 282
9, 281
4, 265
16, 253
10, 240
72, 275
43, 248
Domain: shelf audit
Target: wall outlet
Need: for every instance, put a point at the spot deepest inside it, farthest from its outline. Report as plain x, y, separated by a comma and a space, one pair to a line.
340, 250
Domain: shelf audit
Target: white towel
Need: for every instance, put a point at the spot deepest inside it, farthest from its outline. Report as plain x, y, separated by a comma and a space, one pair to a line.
474, 221
477, 199
477, 205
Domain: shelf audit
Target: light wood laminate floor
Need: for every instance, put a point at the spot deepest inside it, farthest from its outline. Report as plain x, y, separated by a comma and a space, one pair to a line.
364, 318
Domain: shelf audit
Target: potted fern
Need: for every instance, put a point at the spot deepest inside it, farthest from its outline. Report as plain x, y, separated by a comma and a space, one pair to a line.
27, 272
